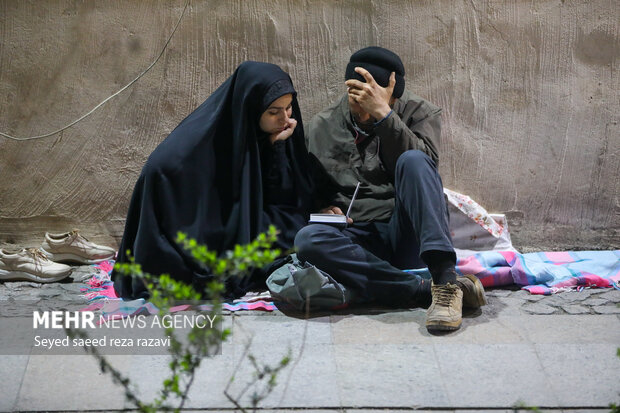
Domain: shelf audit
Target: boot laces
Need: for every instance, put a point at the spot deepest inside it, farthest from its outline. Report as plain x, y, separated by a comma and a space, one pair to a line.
444, 295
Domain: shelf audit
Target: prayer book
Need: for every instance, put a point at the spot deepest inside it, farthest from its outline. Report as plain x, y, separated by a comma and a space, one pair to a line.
334, 219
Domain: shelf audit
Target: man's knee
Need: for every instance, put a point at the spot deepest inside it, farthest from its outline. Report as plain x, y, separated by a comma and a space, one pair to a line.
308, 241
303, 240
414, 159
414, 162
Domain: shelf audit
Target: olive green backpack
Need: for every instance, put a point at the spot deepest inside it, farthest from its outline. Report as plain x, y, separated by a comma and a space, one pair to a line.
302, 285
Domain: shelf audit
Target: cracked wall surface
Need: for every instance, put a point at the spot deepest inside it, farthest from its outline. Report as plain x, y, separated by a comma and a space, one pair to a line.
529, 92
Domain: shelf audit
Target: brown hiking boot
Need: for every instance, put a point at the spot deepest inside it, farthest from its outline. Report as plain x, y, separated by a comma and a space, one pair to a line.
445, 312
473, 291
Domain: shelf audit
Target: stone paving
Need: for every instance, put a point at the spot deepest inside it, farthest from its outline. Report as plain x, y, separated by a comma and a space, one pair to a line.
587, 301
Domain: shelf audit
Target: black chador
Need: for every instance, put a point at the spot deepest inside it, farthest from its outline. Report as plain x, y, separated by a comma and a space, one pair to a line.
218, 179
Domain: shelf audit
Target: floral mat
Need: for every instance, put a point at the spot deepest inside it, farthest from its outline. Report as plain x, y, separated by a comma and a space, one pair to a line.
99, 292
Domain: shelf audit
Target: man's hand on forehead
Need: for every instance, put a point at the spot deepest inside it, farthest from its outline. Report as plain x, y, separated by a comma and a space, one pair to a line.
372, 97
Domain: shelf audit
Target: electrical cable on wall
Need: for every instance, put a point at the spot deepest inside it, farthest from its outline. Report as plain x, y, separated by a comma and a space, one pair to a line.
109, 97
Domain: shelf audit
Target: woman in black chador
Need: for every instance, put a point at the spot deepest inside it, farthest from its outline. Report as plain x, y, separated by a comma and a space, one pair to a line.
234, 166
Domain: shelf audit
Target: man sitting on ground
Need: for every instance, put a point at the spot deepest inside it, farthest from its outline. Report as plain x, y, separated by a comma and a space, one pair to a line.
387, 139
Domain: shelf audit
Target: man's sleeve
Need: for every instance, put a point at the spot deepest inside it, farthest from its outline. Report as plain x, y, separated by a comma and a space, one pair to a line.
418, 126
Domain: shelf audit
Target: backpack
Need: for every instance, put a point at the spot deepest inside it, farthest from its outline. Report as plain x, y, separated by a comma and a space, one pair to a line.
300, 284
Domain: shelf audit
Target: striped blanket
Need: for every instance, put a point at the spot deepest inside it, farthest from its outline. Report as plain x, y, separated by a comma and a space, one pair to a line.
539, 273
546, 272
543, 272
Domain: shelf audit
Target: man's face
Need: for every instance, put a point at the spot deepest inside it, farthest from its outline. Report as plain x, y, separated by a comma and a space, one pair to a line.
360, 115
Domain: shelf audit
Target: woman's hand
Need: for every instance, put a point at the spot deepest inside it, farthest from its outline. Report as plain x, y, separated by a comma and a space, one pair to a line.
335, 210
285, 133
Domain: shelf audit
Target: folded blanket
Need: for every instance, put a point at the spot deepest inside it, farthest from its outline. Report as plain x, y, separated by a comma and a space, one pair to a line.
544, 272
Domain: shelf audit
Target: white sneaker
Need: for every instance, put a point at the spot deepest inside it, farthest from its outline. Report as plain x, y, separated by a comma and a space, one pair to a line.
73, 247
31, 265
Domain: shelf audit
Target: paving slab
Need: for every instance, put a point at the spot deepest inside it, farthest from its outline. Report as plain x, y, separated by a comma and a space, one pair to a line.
395, 327
13, 370
310, 381
389, 375
581, 375
280, 330
613, 296
606, 309
69, 383
207, 391
575, 309
563, 329
493, 375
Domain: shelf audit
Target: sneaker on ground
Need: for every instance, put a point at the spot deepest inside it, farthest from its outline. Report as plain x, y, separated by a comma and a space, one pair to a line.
31, 265
73, 247
445, 312
473, 291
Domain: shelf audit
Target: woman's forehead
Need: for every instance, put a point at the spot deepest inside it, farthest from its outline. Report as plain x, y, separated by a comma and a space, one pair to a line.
282, 102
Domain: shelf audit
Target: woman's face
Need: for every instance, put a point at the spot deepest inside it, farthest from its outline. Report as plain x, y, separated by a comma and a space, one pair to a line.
276, 118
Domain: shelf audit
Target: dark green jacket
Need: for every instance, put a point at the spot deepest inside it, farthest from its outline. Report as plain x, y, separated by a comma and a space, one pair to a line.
339, 163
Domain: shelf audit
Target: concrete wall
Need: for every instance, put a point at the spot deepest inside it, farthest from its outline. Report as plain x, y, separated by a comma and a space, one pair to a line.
529, 91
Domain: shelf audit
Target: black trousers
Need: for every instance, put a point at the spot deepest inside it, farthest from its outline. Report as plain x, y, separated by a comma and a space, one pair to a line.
369, 256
